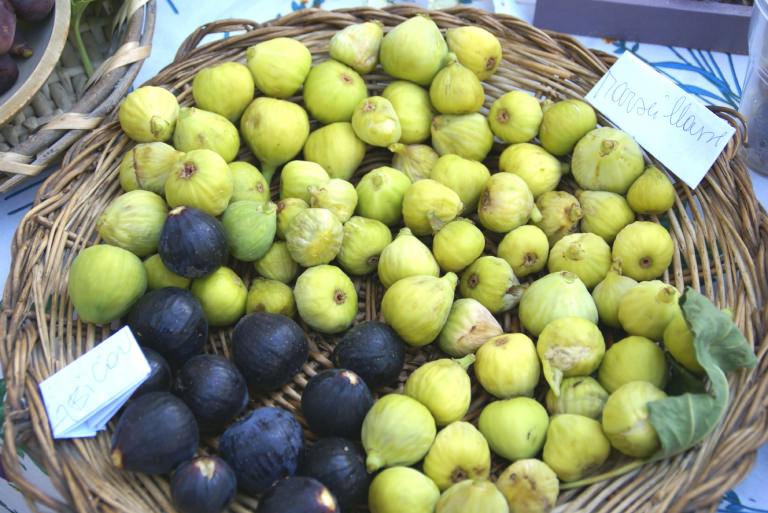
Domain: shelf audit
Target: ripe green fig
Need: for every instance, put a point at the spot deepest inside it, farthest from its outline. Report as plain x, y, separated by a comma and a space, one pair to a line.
606, 159
645, 250
279, 66
476, 48
465, 177
222, 294
380, 195
648, 307
146, 166
314, 236
159, 276
337, 195
525, 248
605, 213
336, 148
575, 446
515, 117
248, 183
277, 264
530, 486
580, 395
364, 240
297, 176
225, 88
133, 221
200, 179
491, 281
459, 452
560, 213
415, 160
397, 489
586, 255
457, 244
472, 496
505, 203
265, 295
405, 256
608, 293
428, 205
501, 353
466, 135
625, 419
375, 121
414, 50
456, 89
468, 327
148, 114
413, 107
563, 123
326, 298
287, 208
540, 170
332, 91
569, 346
443, 386
515, 428
633, 358
555, 295
250, 228
652, 193
357, 45
678, 340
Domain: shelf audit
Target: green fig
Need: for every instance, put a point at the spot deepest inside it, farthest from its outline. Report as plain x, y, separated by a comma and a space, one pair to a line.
225, 88
469, 326
514, 428
605, 213
606, 159
405, 302
465, 135
444, 387
490, 280
200, 179
287, 208
397, 489
515, 117
357, 45
415, 160
678, 340
364, 240
501, 353
133, 221
459, 452
279, 66
375, 121
297, 176
560, 214
648, 307
505, 203
553, 296
428, 204
265, 295
148, 114
250, 228
525, 248
314, 236
413, 50
586, 255
575, 446
248, 183
222, 294
633, 358
336, 148
413, 107
563, 123
644, 248
275, 131
569, 346
332, 91
337, 195
380, 195
652, 193
608, 293
146, 166
625, 419
405, 256
472, 496
465, 177
197, 128
530, 486
580, 395
540, 170
159, 276
277, 264
456, 89
326, 298
476, 48
457, 245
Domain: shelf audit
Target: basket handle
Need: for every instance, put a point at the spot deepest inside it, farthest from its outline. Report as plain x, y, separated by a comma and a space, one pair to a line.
192, 41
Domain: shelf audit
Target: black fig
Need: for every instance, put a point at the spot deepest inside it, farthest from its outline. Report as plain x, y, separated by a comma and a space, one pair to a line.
32, 10
374, 351
262, 448
298, 494
171, 321
213, 389
159, 379
334, 403
7, 26
206, 484
9, 72
155, 432
339, 464
269, 349
192, 243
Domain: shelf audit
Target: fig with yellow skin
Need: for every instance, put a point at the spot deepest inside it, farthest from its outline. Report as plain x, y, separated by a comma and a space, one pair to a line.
476, 48
552, 296
200, 179
678, 340
397, 430
133, 221
364, 240
515, 117
564, 123
413, 107
644, 248
417, 307
250, 228
633, 358
275, 131
336, 148
560, 214
606, 159
457, 244
357, 45
525, 249
222, 294
580, 395
608, 293
297, 176
625, 419
428, 204
459, 452
248, 183
314, 236
490, 280
148, 114
443, 386
337, 195
159, 276
380, 195
277, 264
605, 213
413, 50
326, 298
515, 428
332, 91
501, 353
397, 489
530, 486
211, 82
586, 255
505, 203
405, 256
279, 66
415, 160
569, 346
287, 208
468, 327
465, 177
456, 89
375, 121
472, 496
648, 307
575, 446
541, 170
652, 193
265, 295
146, 166
466, 135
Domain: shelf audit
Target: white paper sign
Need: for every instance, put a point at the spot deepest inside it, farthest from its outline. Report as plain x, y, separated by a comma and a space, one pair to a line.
672, 125
82, 397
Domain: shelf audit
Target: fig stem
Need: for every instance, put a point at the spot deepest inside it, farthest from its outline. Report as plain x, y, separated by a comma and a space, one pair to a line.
465, 361
268, 171
606, 475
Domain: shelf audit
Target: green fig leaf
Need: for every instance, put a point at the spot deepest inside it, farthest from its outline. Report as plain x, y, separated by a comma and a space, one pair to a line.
683, 421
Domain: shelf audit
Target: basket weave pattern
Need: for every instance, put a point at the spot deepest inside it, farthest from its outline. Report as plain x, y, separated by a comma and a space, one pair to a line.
719, 231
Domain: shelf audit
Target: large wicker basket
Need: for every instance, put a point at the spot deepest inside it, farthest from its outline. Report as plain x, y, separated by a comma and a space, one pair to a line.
719, 231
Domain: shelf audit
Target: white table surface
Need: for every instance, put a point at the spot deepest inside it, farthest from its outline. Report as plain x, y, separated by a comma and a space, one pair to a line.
177, 18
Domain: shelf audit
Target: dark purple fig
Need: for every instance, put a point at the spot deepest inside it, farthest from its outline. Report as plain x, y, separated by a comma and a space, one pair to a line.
155, 432
334, 403
298, 494
20, 47
7, 26
206, 484
32, 10
171, 321
262, 448
192, 243
213, 389
372, 350
269, 349
9, 72
159, 379
339, 464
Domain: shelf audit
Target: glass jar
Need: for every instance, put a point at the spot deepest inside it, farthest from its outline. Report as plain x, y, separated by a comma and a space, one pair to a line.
754, 99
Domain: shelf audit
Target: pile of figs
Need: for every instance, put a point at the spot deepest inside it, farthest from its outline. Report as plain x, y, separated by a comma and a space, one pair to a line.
17, 16
528, 285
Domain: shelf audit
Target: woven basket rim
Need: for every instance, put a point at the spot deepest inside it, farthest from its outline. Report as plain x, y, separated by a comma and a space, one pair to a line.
56, 225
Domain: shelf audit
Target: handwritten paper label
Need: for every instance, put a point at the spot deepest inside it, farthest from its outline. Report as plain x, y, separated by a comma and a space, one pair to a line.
82, 397
672, 125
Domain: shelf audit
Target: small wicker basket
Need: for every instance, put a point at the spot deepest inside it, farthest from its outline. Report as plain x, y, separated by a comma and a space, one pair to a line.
70, 103
720, 232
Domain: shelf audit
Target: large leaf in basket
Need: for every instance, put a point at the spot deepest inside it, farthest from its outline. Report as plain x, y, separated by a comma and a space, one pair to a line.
684, 420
